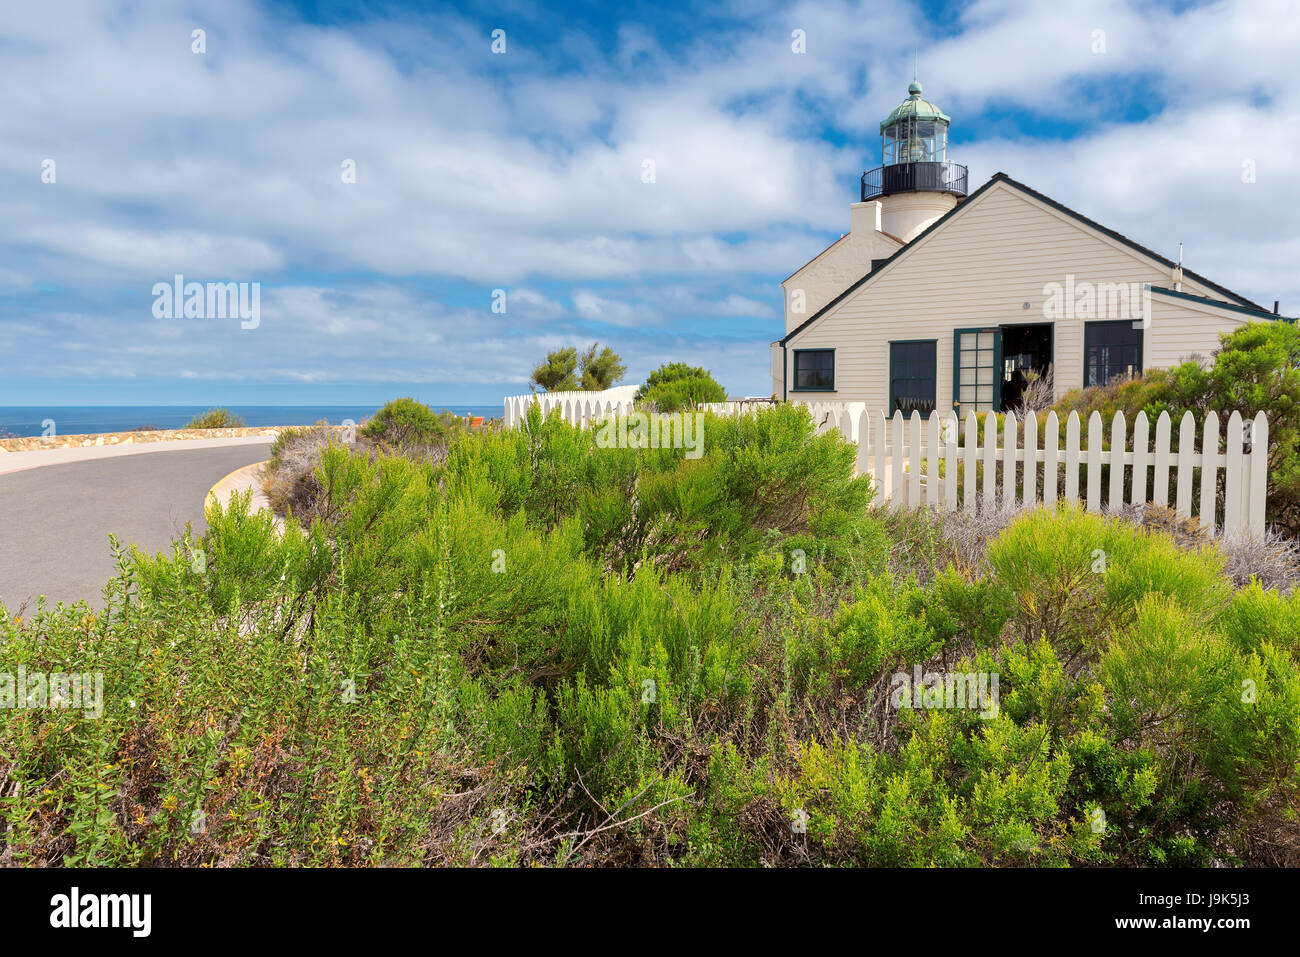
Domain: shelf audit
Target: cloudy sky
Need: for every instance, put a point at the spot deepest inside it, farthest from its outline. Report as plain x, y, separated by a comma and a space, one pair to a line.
524, 171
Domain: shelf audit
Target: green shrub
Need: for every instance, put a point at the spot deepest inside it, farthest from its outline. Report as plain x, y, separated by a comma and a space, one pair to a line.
755, 476
1077, 576
600, 370
216, 419
676, 386
405, 422
886, 627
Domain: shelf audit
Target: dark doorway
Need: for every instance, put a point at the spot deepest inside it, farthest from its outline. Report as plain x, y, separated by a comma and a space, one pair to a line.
1026, 357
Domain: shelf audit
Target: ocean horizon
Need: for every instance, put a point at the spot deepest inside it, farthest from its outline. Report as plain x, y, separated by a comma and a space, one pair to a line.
27, 421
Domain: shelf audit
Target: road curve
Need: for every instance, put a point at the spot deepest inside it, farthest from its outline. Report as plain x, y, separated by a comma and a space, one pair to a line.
55, 519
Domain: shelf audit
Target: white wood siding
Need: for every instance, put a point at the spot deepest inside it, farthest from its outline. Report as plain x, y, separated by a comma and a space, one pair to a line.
1181, 330
836, 268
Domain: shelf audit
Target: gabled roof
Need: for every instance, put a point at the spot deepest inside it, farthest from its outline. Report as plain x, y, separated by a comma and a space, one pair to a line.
1077, 216
1206, 300
832, 246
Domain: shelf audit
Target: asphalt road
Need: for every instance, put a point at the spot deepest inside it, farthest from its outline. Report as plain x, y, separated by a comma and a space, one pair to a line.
55, 520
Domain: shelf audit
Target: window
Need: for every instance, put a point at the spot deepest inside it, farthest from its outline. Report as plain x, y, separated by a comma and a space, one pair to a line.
1110, 349
814, 370
912, 375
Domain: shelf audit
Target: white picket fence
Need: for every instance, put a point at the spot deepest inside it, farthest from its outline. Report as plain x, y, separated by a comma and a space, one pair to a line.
909, 469
577, 408
945, 464
737, 406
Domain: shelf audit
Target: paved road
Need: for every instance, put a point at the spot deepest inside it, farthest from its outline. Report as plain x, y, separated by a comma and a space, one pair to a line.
55, 520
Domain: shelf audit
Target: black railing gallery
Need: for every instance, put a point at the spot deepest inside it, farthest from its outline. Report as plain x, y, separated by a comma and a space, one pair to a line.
941, 177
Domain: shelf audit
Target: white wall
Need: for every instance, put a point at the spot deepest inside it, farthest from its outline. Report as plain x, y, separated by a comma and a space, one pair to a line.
840, 265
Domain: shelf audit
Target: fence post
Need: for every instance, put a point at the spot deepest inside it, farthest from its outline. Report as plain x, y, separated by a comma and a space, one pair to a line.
1141, 436
1072, 458
1030, 498
972, 450
864, 446
882, 429
1233, 486
898, 491
1209, 471
990, 460
914, 460
1258, 474
1051, 439
950, 452
1186, 451
1094, 462
1160, 476
1009, 439
932, 460
1118, 442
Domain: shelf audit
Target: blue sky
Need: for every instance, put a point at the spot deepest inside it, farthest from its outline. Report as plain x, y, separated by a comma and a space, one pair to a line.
523, 171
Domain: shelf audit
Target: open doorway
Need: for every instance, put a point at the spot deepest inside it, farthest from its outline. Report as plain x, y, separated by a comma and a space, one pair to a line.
1026, 359
993, 365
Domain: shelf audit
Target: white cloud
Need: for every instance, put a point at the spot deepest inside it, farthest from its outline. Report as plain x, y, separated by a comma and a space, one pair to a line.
614, 312
474, 171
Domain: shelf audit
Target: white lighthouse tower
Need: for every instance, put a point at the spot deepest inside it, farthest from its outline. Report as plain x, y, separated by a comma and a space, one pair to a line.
916, 183
913, 187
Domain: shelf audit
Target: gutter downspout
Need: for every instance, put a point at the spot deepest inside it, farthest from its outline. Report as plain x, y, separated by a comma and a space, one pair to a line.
785, 384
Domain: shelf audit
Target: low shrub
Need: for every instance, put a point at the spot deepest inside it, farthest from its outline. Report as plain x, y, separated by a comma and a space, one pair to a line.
216, 419
289, 478
404, 423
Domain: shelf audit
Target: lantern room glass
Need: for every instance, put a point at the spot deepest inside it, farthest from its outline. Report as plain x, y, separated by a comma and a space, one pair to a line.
915, 141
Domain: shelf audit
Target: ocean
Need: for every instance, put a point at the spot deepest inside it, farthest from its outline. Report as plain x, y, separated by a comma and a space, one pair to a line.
21, 421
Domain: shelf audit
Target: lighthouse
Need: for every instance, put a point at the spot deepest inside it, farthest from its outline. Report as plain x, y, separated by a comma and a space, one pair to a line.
916, 183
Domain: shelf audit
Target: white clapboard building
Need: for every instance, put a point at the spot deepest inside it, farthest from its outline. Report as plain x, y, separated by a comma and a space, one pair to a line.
941, 299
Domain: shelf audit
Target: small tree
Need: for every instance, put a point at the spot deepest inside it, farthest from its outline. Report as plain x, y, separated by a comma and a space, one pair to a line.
404, 422
556, 374
601, 371
676, 386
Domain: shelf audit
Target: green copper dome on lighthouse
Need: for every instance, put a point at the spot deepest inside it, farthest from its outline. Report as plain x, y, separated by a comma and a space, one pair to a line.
914, 152
915, 108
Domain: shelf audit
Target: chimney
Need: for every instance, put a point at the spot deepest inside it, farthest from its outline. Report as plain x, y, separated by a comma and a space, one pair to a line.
864, 218
1276, 303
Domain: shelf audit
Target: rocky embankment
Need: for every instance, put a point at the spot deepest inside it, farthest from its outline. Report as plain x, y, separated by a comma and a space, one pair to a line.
36, 442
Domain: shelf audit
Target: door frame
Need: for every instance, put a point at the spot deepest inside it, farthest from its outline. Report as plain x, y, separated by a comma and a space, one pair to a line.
997, 365
1051, 347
